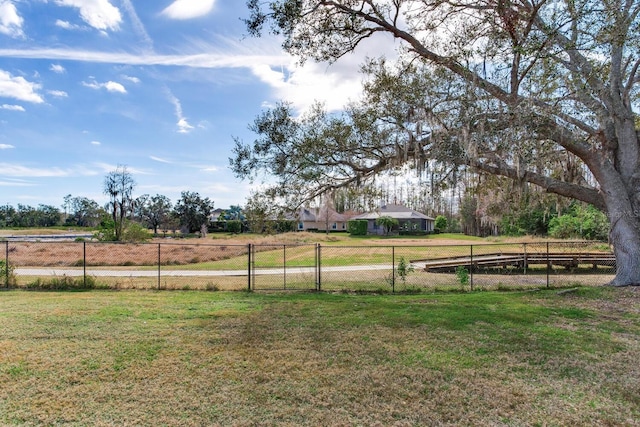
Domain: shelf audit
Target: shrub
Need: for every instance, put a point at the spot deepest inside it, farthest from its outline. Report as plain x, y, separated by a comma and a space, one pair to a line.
357, 227
135, 233
403, 269
584, 222
441, 222
463, 275
234, 226
7, 276
387, 223
64, 283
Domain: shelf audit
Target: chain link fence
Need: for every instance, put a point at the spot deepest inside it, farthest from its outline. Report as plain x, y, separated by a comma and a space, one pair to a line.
58, 265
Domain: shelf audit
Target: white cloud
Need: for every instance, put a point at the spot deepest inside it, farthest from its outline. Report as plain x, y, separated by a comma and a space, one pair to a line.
58, 93
6, 146
12, 107
138, 26
96, 143
106, 167
188, 9
9, 169
109, 86
183, 125
114, 87
19, 88
57, 68
158, 159
15, 183
100, 14
131, 79
68, 25
234, 59
10, 21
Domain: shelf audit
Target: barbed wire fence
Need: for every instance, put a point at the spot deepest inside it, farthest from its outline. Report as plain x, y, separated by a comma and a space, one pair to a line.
397, 268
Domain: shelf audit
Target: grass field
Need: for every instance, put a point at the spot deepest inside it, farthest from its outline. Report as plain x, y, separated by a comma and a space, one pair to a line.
106, 358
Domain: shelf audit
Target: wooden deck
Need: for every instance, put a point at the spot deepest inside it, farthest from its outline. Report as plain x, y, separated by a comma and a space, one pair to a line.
518, 260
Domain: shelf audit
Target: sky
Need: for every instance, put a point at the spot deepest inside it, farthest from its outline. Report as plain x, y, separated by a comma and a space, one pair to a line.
161, 87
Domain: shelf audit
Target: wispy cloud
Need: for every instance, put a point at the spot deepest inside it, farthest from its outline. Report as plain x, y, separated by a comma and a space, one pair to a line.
69, 26
183, 125
15, 183
6, 146
58, 93
131, 79
107, 167
239, 59
99, 14
13, 170
57, 68
19, 88
109, 86
158, 159
12, 107
138, 26
96, 143
188, 9
10, 21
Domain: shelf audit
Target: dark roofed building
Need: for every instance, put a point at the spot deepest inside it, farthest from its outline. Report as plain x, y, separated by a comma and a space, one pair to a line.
408, 219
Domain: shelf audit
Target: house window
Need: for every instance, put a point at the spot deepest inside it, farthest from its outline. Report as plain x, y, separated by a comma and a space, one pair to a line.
301, 226
334, 226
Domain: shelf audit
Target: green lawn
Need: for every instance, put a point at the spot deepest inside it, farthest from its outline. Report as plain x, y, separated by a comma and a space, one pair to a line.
216, 358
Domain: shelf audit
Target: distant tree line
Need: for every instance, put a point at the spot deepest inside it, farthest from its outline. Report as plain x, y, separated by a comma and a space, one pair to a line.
125, 217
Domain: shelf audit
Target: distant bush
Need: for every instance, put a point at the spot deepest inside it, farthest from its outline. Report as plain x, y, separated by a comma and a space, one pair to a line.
64, 283
357, 227
585, 222
234, 226
135, 233
441, 222
7, 276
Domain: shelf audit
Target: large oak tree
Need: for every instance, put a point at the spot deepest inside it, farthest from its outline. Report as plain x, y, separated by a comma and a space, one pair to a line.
508, 87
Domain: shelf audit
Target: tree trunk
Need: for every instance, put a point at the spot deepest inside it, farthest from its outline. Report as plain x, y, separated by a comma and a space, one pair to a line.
619, 195
625, 237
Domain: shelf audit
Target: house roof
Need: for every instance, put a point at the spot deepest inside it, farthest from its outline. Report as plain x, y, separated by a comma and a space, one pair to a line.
394, 211
320, 214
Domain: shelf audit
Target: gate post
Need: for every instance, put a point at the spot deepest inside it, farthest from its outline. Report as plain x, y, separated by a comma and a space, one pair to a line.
393, 269
6, 263
548, 264
84, 264
159, 266
249, 249
318, 267
471, 267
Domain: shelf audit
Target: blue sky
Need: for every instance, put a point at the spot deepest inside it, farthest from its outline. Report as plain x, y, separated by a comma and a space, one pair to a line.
160, 86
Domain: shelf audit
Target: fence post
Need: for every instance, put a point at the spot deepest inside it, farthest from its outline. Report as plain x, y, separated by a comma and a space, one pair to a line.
548, 265
393, 269
318, 267
525, 260
84, 263
249, 249
284, 266
158, 266
6, 263
471, 267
